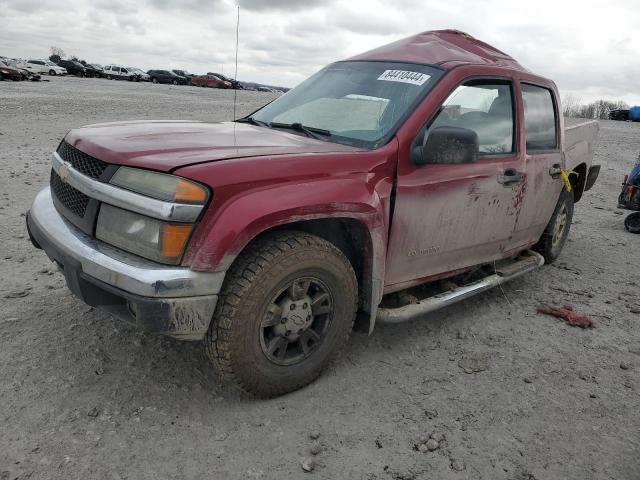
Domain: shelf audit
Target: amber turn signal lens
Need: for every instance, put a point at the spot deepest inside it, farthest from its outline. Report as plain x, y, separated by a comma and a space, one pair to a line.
174, 239
190, 192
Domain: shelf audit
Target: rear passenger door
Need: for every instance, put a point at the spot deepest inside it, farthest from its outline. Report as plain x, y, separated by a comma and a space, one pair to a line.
542, 159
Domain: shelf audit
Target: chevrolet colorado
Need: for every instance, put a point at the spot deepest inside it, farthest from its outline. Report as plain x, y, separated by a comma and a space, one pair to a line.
435, 157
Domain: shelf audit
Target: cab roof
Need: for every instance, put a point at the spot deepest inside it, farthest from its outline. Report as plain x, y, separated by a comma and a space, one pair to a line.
444, 48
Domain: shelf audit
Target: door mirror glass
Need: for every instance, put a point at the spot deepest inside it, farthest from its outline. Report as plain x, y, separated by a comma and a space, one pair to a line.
449, 145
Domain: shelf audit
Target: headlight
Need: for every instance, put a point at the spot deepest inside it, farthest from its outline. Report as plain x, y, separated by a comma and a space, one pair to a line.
145, 236
158, 240
160, 185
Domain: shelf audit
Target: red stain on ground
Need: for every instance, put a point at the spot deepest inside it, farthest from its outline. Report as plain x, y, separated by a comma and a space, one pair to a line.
567, 314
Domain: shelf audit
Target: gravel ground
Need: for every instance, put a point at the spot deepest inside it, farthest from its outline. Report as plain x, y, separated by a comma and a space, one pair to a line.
84, 396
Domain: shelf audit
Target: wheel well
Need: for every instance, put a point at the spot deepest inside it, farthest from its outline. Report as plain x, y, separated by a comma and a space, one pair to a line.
578, 181
352, 238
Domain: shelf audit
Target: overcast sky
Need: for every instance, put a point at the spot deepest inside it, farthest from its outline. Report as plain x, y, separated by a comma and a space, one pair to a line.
590, 48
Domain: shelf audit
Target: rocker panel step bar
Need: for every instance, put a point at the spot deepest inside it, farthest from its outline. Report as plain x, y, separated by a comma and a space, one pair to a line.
528, 262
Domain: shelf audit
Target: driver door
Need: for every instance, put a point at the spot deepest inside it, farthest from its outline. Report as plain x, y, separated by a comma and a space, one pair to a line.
448, 217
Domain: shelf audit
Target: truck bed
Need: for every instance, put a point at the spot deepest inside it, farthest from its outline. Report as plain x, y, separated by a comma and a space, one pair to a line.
579, 143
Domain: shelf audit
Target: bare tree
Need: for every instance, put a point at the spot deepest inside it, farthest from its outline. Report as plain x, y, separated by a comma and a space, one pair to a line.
600, 109
57, 51
570, 105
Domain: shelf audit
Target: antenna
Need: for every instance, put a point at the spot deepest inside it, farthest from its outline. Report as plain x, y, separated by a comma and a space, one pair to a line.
235, 90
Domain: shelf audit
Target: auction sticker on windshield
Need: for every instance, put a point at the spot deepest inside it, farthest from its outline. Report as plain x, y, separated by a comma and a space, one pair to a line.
404, 76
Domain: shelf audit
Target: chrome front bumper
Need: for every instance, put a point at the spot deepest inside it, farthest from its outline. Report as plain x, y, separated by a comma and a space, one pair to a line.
173, 300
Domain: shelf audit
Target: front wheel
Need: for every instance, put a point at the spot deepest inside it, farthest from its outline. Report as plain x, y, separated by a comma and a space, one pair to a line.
154, 80
52, 72
555, 234
286, 310
175, 82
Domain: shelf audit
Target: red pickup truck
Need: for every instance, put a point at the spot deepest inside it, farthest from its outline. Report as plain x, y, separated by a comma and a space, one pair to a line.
435, 157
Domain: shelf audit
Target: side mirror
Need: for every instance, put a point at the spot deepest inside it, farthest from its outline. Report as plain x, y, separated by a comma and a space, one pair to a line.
448, 145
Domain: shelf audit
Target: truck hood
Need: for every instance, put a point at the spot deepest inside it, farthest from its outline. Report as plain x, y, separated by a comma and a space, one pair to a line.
165, 145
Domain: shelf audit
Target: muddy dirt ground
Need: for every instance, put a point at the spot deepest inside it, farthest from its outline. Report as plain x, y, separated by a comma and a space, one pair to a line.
83, 396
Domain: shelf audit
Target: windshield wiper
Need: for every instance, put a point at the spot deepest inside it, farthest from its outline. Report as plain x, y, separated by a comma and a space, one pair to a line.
252, 121
318, 133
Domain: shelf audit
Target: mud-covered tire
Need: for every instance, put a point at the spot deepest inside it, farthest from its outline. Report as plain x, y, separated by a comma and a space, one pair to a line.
235, 342
555, 234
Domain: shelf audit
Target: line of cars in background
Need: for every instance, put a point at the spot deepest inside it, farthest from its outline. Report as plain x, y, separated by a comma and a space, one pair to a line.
16, 69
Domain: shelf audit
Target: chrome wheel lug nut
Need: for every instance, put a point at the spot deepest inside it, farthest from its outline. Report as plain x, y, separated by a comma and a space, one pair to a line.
283, 320
305, 305
292, 306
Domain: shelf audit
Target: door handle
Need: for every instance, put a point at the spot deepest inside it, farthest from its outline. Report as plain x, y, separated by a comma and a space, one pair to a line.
510, 177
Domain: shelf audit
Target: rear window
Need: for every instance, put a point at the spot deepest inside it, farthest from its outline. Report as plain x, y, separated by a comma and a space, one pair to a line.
539, 118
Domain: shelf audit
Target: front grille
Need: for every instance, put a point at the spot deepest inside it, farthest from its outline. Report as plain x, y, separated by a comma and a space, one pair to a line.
86, 164
68, 196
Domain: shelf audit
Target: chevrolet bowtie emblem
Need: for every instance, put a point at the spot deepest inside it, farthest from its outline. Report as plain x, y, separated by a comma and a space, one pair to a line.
63, 172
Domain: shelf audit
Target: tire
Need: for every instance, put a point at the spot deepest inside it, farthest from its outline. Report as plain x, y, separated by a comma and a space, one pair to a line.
154, 80
632, 222
52, 72
259, 288
555, 234
175, 82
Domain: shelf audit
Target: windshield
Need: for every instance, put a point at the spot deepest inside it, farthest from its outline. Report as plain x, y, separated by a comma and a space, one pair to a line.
358, 103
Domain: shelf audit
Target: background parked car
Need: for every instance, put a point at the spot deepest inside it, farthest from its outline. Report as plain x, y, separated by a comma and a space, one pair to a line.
119, 72
234, 83
211, 81
142, 76
73, 67
45, 66
9, 72
93, 70
184, 73
165, 76
20, 66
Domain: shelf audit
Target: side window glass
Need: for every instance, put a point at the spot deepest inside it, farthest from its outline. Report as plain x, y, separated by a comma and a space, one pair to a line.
539, 118
486, 107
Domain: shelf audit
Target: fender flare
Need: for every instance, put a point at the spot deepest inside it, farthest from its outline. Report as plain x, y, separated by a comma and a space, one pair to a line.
226, 232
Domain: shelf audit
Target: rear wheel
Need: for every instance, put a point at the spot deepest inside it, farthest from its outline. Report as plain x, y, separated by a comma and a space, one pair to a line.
154, 80
52, 72
555, 235
175, 82
286, 310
